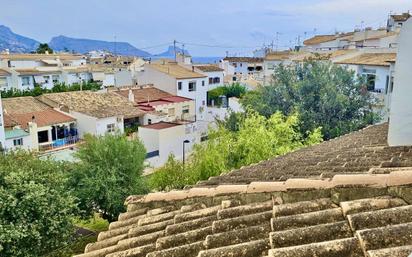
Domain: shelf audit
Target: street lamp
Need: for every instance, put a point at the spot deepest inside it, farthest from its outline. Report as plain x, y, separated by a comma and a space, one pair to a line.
184, 142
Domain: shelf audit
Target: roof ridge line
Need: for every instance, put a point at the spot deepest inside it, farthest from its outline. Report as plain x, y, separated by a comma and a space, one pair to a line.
395, 178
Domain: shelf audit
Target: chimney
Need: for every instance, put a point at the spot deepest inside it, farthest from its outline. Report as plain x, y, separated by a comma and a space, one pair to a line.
400, 117
131, 96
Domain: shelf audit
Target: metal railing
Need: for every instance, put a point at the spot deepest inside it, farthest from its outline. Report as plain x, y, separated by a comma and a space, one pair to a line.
59, 143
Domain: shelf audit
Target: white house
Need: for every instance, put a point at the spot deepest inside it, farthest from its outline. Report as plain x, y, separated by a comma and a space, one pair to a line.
396, 21
246, 67
159, 105
214, 73
26, 61
96, 113
33, 125
165, 138
26, 70
271, 61
2, 130
178, 80
375, 68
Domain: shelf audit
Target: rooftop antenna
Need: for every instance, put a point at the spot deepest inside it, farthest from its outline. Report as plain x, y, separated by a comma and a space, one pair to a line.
277, 41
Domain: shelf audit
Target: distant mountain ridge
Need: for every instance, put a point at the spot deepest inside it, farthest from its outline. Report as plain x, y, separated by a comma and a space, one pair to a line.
62, 43
16, 43
171, 52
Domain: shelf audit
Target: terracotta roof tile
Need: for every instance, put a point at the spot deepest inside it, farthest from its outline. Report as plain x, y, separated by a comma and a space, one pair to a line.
244, 59
22, 110
319, 39
100, 105
175, 70
373, 59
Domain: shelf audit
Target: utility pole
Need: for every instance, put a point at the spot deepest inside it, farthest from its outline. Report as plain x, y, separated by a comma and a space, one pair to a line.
277, 40
174, 49
115, 46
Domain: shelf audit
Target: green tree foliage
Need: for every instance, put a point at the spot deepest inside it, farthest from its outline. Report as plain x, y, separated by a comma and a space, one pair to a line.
43, 48
233, 90
256, 138
59, 87
324, 95
110, 169
35, 207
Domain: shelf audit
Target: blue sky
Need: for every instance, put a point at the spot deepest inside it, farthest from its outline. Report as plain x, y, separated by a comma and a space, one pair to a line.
231, 25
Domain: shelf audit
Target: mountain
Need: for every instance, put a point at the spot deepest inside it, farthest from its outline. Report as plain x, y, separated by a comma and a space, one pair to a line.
14, 42
62, 43
171, 53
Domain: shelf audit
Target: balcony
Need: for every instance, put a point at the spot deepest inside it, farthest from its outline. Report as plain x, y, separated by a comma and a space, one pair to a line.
59, 144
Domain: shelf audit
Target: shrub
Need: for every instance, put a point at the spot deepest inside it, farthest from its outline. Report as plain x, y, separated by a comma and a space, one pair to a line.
35, 207
110, 169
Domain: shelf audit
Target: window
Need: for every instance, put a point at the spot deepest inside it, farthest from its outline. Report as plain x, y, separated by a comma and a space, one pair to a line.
203, 83
3, 82
185, 109
171, 112
234, 78
25, 81
370, 82
111, 128
192, 86
179, 85
210, 80
18, 142
149, 121
46, 79
216, 80
55, 78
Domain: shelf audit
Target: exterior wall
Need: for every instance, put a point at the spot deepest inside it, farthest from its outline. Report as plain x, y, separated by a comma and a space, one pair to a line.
73, 78
25, 87
25, 64
166, 141
9, 83
178, 111
215, 74
108, 80
159, 79
150, 139
27, 144
269, 67
85, 124
400, 122
101, 125
2, 135
123, 78
200, 95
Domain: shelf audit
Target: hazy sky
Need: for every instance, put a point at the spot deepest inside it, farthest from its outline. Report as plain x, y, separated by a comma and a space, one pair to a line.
229, 25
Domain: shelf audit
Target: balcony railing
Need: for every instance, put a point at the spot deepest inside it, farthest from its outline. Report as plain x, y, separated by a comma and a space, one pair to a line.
59, 143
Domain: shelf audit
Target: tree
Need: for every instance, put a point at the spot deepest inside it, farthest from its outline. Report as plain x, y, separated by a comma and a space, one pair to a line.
253, 139
35, 208
43, 48
324, 95
233, 90
110, 169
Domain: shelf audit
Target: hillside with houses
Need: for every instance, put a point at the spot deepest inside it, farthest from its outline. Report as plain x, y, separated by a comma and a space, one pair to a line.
300, 151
